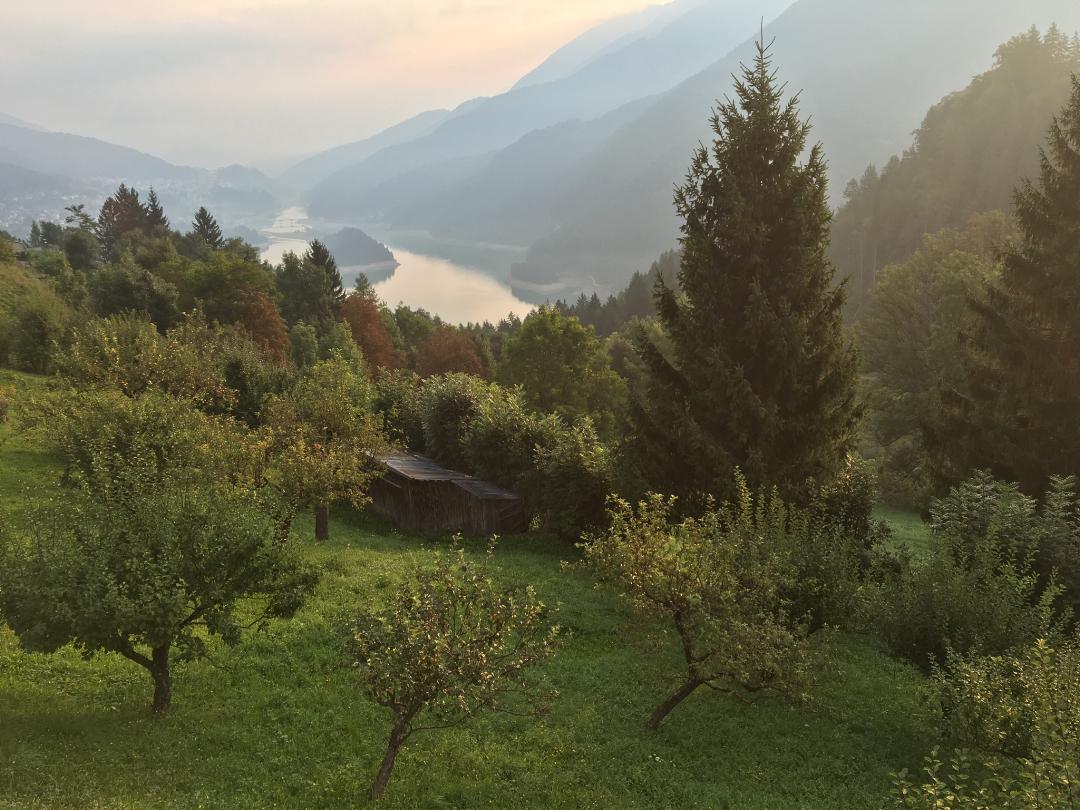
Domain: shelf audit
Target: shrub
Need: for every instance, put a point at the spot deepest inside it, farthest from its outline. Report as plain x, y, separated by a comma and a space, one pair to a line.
451, 642
1018, 717
399, 397
38, 324
451, 402
849, 499
974, 598
574, 475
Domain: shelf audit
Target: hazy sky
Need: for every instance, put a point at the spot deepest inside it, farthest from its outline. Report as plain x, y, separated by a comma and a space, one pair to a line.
210, 82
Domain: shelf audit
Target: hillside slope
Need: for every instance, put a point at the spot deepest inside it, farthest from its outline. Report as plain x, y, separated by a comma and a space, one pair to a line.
969, 155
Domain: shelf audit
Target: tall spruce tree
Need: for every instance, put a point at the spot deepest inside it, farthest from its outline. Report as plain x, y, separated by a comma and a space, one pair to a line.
155, 214
206, 228
758, 373
1018, 413
319, 255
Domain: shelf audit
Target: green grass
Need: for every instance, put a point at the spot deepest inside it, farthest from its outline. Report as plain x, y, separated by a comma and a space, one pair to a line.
908, 528
278, 722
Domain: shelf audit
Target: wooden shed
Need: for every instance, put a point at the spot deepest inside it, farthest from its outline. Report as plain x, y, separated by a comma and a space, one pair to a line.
420, 496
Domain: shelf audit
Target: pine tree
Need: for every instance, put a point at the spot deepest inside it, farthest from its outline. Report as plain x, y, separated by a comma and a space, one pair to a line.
319, 255
120, 214
155, 214
206, 228
35, 235
1017, 414
759, 373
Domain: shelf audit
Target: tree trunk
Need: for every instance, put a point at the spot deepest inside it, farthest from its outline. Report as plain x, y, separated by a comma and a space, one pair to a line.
397, 737
322, 522
162, 679
664, 709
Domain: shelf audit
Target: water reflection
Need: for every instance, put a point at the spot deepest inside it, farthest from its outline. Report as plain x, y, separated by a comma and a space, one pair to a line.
457, 293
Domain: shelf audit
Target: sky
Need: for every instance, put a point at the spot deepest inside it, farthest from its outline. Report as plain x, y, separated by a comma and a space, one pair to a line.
213, 82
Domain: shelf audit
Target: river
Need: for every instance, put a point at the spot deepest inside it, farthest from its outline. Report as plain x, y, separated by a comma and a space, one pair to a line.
459, 282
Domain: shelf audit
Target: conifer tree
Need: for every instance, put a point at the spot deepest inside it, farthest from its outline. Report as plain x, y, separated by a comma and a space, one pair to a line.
206, 228
1018, 412
319, 255
121, 213
759, 373
155, 214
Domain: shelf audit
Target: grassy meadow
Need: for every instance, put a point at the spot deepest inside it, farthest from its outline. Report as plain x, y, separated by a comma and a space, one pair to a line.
278, 722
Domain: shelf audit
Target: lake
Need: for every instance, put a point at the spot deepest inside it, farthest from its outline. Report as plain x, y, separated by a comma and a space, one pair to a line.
460, 282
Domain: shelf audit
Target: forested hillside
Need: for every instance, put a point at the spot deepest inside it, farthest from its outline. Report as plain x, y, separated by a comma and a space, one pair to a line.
970, 153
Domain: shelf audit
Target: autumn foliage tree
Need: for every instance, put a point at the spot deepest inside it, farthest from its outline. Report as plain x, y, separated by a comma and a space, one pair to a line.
260, 318
365, 321
449, 351
451, 643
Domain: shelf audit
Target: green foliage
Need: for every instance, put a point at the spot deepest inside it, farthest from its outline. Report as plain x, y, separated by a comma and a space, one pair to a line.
451, 403
450, 643
574, 474
101, 433
761, 375
399, 398
975, 591
719, 580
325, 437
1018, 717
1014, 412
564, 369
1046, 536
34, 329
908, 340
121, 288
307, 292
146, 570
126, 353
303, 345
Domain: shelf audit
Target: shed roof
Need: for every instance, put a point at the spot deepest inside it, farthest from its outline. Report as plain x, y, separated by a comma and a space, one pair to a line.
418, 468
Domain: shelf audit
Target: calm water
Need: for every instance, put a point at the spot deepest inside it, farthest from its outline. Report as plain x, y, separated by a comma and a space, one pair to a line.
456, 292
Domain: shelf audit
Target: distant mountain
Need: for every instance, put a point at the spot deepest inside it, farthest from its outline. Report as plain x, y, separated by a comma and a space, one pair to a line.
664, 54
317, 168
81, 157
599, 41
19, 182
11, 120
513, 197
866, 72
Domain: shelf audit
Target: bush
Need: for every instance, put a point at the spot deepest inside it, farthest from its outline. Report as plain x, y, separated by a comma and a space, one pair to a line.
37, 327
451, 402
399, 397
1018, 718
574, 475
973, 598
849, 500
1044, 535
